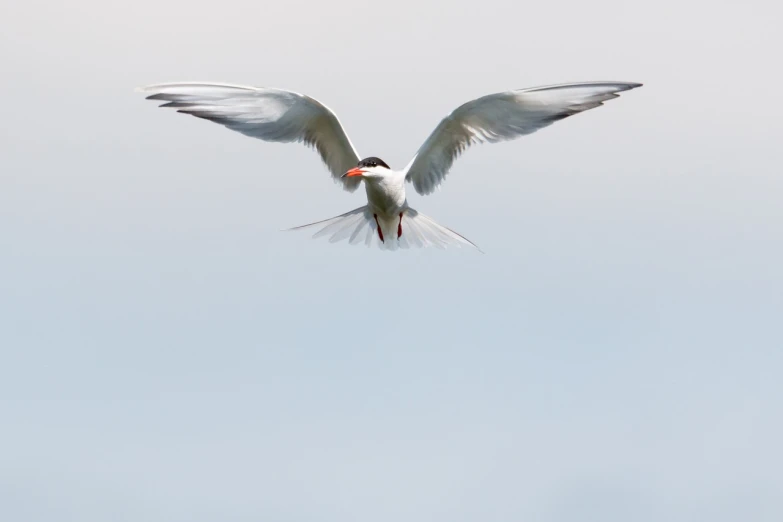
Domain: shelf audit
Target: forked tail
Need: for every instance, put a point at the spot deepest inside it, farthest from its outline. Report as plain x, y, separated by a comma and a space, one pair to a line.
409, 229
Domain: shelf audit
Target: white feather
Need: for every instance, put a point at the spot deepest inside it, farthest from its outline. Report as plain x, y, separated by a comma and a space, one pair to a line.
501, 117
267, 114
360, 225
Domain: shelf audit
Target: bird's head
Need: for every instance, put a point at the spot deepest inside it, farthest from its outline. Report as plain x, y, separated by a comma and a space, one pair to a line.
369, 168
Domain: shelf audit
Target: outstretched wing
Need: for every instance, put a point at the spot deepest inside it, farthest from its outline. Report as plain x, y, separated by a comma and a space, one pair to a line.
267, 114
501, 117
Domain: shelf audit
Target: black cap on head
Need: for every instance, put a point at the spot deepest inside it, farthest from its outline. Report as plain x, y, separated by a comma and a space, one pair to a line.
372, 161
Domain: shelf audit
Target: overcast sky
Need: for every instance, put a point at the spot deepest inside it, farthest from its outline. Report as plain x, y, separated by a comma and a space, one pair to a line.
166, 354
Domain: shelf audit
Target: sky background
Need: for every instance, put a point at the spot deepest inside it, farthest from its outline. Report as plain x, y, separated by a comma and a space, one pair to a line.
167, 354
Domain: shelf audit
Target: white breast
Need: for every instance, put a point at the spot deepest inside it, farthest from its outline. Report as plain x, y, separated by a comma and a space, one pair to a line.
386, 195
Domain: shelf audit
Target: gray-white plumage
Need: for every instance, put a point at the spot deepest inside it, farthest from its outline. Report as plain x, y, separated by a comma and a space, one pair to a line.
501, 117
285, 116
267, 114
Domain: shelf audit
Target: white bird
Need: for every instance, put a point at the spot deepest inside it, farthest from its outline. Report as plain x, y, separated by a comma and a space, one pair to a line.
285, 116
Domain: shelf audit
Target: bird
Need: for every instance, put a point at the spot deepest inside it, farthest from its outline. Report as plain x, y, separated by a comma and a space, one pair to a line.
278, 115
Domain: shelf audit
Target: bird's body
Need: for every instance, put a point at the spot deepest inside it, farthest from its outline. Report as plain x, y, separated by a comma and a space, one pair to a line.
386, 200
285, 116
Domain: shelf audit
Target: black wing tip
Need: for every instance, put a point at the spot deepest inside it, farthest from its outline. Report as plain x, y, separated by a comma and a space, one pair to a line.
632, 85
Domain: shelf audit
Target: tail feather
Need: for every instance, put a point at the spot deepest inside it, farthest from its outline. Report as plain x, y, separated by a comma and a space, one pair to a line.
413, 230
424, 231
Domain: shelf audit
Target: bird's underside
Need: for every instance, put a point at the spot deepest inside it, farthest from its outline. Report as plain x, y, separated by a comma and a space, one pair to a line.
387, 220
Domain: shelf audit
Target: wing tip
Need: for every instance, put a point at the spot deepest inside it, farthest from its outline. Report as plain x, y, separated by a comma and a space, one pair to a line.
159, 88
619, 86
631, 85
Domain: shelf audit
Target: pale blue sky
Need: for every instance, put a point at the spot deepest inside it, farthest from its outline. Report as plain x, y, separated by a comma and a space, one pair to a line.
167, 354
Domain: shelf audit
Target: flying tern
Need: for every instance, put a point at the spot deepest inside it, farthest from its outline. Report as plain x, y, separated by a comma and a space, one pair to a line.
386, 220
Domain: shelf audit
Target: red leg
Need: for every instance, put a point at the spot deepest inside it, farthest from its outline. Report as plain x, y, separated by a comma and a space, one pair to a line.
380, 232
399, 227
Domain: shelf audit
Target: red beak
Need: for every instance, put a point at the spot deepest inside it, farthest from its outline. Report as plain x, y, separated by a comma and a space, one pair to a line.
356, 171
